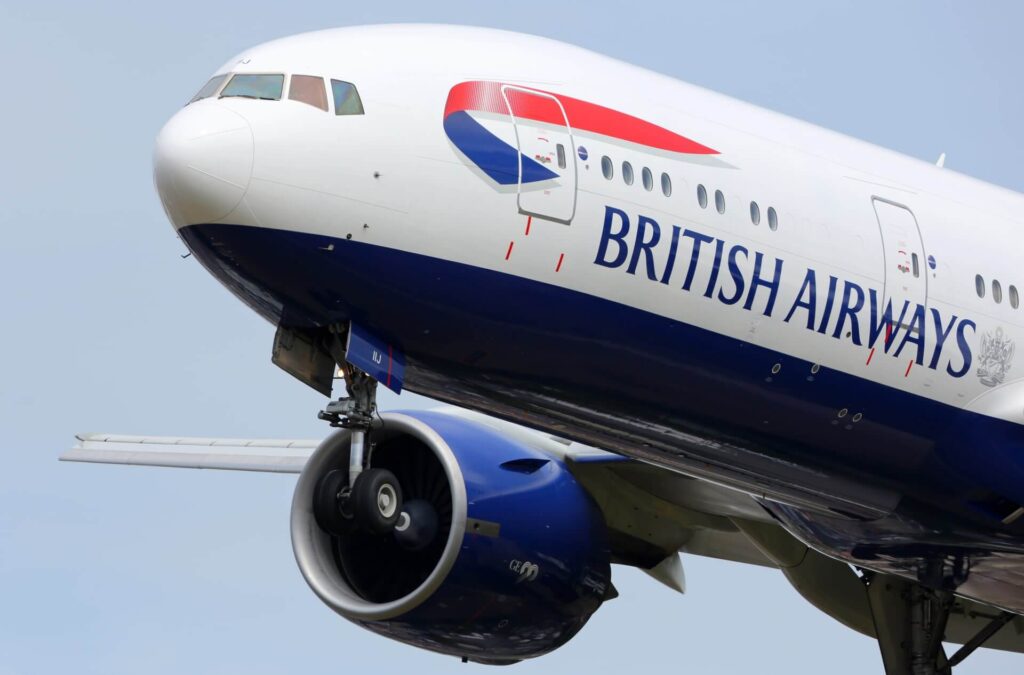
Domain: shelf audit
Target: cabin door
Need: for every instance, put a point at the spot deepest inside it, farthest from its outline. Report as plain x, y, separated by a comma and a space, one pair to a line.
547, 156
906, 269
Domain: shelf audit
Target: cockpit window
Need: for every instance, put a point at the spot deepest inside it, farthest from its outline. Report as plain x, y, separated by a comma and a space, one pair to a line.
263, 87
308, 89
210, 88
346, 98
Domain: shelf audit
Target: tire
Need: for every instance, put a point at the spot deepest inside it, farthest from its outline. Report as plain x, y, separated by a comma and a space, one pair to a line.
327, 504
376, 501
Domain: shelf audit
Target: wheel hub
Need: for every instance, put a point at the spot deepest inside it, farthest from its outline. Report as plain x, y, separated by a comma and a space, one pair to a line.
387, 501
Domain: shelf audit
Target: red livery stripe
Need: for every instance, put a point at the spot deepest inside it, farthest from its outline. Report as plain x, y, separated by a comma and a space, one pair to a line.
487, 97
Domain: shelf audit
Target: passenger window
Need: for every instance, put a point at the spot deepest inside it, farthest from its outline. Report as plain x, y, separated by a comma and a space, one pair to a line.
346, 98
755, 213
979, 285
1014, 297
262, 87
308, 89
627, 173
648, 179
666, 185
773, 219
916, 264
702, 196
719, 201
607, 168
997, 291
210, 88
560, 149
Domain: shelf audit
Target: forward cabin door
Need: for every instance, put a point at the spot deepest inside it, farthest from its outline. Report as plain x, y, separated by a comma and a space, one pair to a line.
906, 270
547, 157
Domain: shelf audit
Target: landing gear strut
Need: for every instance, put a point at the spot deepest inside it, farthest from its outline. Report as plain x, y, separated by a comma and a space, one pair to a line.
354, 412
910, 622
363, 498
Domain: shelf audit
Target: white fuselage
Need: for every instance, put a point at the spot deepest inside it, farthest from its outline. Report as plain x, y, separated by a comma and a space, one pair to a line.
780, 321
314, 172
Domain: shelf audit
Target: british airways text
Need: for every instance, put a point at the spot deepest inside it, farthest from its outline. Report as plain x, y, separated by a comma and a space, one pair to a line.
844, 307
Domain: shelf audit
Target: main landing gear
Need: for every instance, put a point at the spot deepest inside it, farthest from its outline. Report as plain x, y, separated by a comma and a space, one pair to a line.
361, 498
910, 622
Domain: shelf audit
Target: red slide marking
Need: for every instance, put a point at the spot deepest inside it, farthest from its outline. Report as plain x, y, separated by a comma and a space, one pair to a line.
870, 356
909, 366
509, 252
390, 361
559, 265
529, 219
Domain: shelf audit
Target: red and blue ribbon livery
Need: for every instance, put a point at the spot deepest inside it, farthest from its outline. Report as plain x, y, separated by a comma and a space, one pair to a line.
501, 162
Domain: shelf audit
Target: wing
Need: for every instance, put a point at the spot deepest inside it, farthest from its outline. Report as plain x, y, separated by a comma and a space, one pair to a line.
234, 454
652, 514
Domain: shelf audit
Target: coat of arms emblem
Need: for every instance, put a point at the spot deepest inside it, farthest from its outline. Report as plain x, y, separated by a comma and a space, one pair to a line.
995, 358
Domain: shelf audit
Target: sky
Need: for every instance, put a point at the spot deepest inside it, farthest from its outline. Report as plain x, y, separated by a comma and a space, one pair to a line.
105, 327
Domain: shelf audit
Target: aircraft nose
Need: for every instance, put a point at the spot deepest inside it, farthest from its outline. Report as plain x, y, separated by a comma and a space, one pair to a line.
202, 163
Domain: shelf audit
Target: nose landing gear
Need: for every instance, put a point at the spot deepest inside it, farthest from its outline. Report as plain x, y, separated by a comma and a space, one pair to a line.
362, 498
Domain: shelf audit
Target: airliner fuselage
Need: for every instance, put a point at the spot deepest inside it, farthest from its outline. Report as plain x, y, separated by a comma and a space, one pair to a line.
587, 247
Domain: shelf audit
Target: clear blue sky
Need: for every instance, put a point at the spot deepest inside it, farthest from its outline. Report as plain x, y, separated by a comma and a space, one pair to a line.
124, 570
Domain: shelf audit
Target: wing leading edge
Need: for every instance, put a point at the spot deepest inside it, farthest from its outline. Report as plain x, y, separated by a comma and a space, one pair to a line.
230, 454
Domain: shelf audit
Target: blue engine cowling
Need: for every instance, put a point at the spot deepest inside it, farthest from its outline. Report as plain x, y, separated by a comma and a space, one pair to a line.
519, 563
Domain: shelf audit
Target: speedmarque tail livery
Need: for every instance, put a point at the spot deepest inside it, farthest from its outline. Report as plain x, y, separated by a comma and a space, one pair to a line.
793, 349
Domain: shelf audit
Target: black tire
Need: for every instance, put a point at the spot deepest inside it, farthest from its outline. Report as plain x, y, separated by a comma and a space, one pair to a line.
376, 501
327, 504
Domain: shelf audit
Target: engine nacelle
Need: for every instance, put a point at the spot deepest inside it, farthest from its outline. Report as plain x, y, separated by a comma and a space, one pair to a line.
519, 562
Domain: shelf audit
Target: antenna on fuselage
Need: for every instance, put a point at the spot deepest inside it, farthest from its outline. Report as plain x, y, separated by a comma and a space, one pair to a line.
941, 162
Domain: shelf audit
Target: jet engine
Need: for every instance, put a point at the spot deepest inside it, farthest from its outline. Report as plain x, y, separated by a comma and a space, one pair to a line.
499, 554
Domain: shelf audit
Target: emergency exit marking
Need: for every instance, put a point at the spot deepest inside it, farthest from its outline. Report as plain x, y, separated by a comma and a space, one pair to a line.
529, 219
559, 265
508, 253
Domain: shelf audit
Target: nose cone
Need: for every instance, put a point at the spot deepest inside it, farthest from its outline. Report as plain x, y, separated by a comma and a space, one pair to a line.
202, 163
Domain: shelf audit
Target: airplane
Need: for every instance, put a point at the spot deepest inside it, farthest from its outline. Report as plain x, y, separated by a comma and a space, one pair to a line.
662, 322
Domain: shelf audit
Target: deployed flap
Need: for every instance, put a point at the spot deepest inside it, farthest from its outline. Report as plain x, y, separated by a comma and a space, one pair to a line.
235, 454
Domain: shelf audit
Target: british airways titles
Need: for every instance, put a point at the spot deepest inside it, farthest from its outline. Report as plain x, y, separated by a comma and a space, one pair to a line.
834, 307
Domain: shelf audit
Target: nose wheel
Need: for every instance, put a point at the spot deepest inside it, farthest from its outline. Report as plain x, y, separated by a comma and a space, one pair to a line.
373, 504
331, 504
376, 501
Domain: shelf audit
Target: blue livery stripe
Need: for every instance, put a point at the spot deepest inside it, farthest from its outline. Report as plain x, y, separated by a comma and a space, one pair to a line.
498, 159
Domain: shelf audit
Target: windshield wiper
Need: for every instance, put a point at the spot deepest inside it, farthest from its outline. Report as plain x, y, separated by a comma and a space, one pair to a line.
251, 96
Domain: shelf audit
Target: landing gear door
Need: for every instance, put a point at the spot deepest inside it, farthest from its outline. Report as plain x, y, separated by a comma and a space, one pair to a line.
906, 270
547, 156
